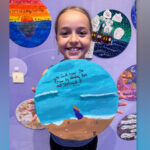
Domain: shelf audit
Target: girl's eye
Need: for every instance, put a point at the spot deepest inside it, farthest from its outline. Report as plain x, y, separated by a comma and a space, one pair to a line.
64, 33
82, 33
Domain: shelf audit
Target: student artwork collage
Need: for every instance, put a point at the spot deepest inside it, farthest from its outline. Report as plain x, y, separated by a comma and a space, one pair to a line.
72, 74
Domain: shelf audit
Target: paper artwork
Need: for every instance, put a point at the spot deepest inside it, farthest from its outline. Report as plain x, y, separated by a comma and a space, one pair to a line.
76, 99
133, 14
126, 129
29, 22
126, 83
111, 33
25, 117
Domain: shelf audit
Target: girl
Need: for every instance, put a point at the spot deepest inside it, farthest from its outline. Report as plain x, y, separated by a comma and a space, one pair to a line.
73, 30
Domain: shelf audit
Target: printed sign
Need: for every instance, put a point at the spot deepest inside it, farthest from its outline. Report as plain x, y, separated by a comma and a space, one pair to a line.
18, 77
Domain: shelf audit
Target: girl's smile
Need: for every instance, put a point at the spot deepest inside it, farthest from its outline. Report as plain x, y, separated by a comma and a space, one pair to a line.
73, 35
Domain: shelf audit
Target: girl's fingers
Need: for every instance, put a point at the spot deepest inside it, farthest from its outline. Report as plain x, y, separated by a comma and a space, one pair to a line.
121, 96
119, 112
33, 89
34, 117
30, 101
122, 104
30, 109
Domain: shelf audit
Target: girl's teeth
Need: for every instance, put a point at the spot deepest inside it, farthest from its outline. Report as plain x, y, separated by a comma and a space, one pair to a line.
74, 49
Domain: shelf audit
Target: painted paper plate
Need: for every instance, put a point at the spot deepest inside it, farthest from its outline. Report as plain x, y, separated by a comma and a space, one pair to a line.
111, 33
127, 127
127, 83
29, 22
25, 117
76, 99
133, 14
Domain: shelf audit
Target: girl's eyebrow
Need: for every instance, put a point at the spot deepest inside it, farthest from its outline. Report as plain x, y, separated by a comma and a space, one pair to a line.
82, 28
64, 28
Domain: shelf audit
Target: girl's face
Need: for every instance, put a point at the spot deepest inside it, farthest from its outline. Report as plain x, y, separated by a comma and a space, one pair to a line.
73, 35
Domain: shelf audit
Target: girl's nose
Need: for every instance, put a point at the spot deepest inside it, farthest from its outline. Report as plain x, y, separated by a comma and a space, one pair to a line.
74, 39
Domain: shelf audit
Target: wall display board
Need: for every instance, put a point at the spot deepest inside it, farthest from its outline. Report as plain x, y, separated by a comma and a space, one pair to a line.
127, 83
29, 21
127, 127
112, 33
24, 116
84, 94
33, 48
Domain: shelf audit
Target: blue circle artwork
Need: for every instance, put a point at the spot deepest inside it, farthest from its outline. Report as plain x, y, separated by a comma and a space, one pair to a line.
29, 34
29, 22
133, 14
111, 33
75, 89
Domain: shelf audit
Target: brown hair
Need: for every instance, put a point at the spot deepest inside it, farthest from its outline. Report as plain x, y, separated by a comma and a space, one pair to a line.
80, 9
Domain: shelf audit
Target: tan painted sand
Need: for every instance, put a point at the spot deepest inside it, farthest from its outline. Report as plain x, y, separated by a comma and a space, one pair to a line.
79, 129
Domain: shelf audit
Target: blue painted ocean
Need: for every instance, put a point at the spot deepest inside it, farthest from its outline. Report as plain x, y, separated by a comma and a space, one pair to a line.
29, 34
75, 82
109, 50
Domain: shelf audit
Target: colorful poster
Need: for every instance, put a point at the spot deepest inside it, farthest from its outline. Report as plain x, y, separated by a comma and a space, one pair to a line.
29, 22
74, 101
127, 127
127, 83
24, 116
111, 33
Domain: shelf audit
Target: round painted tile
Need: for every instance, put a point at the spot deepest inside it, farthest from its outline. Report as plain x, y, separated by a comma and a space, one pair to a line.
76, 99
126, 83
25, 117
133, 14
127, 127
111, 33
29, 22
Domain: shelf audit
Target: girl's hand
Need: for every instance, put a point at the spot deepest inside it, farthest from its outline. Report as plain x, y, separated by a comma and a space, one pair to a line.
31, 101
121, 103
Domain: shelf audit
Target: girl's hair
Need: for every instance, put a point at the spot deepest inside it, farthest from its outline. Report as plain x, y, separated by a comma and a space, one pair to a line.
80, 9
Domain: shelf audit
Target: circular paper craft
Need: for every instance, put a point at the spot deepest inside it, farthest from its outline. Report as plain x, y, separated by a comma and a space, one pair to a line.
127, 83
25, 117
127, 127
29, 21
76, 99
133, 14
111, 33
19, 64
